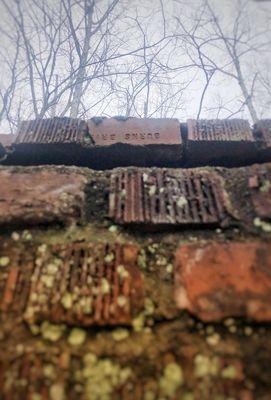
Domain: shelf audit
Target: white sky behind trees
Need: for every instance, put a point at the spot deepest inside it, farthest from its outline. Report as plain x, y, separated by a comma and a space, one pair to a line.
143, 58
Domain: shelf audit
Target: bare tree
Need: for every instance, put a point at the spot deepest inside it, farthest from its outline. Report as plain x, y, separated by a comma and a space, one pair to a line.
219, 48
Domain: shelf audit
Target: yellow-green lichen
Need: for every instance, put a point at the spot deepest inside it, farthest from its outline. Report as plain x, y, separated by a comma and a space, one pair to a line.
100, 378
67, 301
52, 332
205, 366
57, 392
265, 226
229, 372
4, 261
171, 380
120, 334
77, 337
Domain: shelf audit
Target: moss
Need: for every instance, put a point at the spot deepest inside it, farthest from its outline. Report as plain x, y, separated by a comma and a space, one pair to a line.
120, 334
205, 366
77, 337
229, 372
67, 301
105, 287
101, 377
181, 202
121, 301
15, 236
213, 340
49, 371
109, 258
57, 392
4, 261
265, 187
52, 332
122, 272
171, 380
138, 322
265, 226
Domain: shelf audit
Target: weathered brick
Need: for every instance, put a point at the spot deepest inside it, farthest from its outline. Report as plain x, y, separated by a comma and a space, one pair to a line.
40, 196
168, 197
33, 375
86, 284
137, 141
260, 188
51, 130
262, 132
219, 142
50, 141
15, 277
219, 280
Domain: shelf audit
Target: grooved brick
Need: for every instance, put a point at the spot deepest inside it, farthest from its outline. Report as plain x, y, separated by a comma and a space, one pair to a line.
15, 281
262, 132
168, 197
86, 284
218, 280
219, 142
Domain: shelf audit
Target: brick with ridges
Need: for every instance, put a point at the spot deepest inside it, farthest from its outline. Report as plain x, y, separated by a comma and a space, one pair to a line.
219, 142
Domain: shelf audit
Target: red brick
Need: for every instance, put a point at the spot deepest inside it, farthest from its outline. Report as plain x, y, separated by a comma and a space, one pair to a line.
51, 130
40, 196
25, 376
219, 142
168, 197
102, 282
260, 189
219, 280
15, 280
262, 132
151, 142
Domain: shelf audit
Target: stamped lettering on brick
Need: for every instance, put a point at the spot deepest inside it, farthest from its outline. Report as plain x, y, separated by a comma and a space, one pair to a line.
135, 131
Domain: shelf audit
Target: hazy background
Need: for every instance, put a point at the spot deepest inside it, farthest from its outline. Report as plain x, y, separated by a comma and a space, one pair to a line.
151, 58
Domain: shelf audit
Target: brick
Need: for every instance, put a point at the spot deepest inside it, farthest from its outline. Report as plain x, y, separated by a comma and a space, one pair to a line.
262, 132
30, 375
137, 141
51, 130
259, 183
15, 281
50, 141
40, 196
219, 142
153, 198
86, 284
218, 280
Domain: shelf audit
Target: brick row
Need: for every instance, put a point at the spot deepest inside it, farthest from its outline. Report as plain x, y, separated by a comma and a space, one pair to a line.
104, 143
149, 198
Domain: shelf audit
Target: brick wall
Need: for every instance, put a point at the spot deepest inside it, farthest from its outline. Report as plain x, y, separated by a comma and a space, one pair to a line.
144, 275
